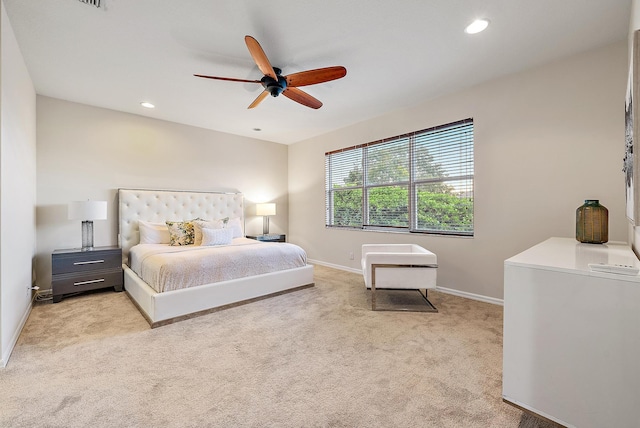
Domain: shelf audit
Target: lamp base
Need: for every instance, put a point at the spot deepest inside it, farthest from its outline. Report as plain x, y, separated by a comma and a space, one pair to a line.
265, 225
87, 235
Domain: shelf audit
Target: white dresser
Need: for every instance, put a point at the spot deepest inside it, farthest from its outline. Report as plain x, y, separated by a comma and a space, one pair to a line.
572, 336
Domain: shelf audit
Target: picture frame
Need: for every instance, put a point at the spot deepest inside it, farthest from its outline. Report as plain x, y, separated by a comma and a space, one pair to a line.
631, 162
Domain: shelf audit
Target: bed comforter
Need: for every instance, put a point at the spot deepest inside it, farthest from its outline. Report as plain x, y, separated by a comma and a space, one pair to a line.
167, 268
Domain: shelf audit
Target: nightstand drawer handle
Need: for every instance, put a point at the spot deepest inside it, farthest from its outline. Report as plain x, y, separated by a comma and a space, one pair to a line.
90, 262
88, 282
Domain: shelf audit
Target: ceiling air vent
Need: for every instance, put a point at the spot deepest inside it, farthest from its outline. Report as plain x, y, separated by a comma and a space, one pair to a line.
96, 3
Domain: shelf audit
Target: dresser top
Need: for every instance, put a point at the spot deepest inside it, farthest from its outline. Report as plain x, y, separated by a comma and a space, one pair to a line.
569, 255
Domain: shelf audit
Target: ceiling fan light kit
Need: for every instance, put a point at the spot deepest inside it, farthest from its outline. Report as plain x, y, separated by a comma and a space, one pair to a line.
274, 83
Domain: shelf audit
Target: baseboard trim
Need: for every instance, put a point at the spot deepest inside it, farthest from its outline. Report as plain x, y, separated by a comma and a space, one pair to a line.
6, 353
465, 294
472, 296
339, 267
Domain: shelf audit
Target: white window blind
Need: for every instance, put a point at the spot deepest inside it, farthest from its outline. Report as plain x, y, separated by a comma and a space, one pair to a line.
417, 182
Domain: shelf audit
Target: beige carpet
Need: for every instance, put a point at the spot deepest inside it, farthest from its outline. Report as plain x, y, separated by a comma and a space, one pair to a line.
313, 358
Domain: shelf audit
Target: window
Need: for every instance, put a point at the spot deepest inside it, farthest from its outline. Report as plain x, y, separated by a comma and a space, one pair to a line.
417, 182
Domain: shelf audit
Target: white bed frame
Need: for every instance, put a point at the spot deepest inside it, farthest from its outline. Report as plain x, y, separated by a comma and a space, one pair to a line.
171, 306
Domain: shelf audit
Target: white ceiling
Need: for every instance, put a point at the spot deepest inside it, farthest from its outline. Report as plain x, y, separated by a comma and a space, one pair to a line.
397, 53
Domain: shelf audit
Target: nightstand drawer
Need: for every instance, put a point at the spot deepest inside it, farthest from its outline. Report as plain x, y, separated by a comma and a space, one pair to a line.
76, 270
85, 261
65, 284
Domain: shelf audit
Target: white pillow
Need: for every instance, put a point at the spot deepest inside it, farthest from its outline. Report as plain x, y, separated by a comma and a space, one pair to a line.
217, 236
153, 233
235, 225
198, 225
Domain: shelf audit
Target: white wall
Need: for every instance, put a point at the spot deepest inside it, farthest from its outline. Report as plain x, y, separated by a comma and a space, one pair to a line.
17, 188
545, 140
86, 152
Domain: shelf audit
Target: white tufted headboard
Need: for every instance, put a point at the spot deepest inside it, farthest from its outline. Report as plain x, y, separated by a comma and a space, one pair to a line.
175, 205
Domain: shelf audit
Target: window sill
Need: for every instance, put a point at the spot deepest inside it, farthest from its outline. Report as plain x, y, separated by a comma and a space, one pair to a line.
402, 232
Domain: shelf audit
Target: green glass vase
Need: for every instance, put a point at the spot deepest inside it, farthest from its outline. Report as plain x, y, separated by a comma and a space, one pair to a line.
592, 222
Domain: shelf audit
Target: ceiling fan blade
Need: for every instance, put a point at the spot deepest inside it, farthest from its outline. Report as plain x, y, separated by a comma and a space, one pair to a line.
260, 57
258, 100
319, 75
301, 97
230, 79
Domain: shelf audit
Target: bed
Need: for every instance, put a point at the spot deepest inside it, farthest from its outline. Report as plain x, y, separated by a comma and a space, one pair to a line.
161, 307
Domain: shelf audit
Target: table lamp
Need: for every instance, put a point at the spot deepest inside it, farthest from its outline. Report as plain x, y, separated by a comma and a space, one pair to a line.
87, 211
265, 210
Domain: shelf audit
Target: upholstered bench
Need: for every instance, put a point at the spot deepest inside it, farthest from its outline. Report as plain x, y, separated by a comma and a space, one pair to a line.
399, 267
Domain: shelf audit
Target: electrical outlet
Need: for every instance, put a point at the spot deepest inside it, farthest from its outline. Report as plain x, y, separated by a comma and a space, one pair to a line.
351, 255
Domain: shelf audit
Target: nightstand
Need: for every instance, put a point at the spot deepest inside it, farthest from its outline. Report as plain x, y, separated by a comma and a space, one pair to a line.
269, 238
75, 270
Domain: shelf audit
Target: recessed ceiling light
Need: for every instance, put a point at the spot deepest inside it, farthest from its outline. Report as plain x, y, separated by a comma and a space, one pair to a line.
257, 129
477, 26
146, 104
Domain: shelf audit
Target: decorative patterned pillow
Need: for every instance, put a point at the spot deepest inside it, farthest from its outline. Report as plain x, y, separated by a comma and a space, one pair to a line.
217, 236
180, 232
198, 225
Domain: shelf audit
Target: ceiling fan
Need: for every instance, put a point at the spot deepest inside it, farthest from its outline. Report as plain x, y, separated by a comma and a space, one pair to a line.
275, 83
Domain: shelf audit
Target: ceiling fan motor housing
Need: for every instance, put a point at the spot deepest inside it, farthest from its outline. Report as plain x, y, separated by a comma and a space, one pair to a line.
275, 87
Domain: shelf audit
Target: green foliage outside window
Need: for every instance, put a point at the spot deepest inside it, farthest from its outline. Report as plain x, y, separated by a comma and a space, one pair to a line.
388, 206
444, 212
347, 207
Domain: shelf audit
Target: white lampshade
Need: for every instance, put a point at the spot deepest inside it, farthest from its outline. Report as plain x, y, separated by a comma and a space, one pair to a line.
266, 209
87, 210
